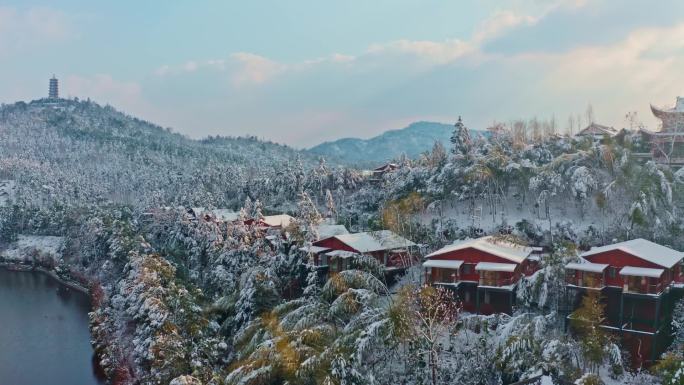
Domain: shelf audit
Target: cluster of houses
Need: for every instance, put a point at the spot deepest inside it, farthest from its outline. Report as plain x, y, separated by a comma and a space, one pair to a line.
336, 247
638, 282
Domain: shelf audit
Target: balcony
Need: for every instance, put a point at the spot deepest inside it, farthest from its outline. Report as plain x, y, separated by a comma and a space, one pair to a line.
499, 275
643, 288
497, 282
443, 272
586, 275
641, 280
588, 281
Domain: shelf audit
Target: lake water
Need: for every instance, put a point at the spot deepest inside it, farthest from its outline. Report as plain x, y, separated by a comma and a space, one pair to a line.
44, 336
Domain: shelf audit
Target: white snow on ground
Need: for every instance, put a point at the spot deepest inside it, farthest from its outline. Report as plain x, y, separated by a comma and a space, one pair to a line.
6, 192
26, 244
513, 211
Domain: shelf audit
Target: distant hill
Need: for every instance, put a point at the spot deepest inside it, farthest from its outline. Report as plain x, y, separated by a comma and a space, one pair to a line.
412, 141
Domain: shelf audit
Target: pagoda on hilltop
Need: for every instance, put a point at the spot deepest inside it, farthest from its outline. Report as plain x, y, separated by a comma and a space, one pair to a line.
668, 142
53, 91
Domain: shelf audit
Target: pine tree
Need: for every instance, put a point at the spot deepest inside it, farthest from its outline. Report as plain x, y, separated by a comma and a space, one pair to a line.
309, 217
330, 205
461, 140
586, 321
257, 211
246, 210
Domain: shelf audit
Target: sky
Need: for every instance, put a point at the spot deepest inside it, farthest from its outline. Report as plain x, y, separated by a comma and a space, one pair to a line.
305, 71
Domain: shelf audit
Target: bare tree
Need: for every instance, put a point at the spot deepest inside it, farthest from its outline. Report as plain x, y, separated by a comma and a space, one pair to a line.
570, 130
589, 113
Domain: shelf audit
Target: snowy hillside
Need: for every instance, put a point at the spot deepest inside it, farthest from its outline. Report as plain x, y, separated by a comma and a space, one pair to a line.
80, 152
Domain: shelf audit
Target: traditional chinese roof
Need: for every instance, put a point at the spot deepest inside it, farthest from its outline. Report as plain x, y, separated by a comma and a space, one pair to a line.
641, 248
672, 117
500, 248
598, 129
386, 167
678, 107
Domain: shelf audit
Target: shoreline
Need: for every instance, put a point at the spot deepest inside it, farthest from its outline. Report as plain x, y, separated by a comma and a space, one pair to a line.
20, 267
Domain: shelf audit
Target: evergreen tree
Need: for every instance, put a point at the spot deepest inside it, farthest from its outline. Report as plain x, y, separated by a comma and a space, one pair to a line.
309, 217
586, 321
460, 140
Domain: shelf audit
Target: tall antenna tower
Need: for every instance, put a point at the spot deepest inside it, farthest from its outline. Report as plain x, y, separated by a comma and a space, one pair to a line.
54, 88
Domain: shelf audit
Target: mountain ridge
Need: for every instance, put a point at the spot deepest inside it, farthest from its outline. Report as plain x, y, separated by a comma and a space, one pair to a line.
412, 140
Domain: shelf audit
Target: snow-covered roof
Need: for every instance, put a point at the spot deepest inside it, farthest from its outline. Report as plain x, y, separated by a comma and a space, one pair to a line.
641, 248
442, 263
507, 250
327, 230
342, 254
678, 107
386, 166
225, 215
374, 241
314, 249
594, 129
641, 272
491, 266
282, 220
587, 266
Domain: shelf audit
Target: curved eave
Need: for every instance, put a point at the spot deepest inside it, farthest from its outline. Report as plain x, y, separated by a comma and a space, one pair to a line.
664, 113
657, 112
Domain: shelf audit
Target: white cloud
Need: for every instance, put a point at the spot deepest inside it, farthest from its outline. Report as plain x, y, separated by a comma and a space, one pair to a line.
430, 51
643, 68
499, 23
392, 83
254, 69
21, 28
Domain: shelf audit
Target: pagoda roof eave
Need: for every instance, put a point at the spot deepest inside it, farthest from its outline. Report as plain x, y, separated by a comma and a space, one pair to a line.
661, 112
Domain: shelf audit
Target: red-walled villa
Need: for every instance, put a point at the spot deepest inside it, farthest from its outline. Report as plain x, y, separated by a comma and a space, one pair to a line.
483, 272
635, 280
390, 249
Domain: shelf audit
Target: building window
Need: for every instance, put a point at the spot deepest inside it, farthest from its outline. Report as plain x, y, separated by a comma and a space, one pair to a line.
612, 272
467, 268
466, 296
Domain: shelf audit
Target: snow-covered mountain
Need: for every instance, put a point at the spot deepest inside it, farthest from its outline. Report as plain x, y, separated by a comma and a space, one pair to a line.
412, 141
82, 153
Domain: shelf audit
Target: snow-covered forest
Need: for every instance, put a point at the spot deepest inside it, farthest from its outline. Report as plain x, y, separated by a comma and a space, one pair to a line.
180, 298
